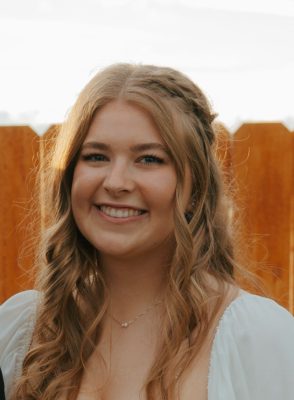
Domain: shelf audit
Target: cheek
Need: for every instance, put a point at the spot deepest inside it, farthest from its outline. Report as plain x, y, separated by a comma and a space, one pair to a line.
161, 191
84, 183
82, 190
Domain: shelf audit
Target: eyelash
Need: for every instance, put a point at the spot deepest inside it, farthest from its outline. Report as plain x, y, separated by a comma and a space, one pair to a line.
90, 157
158, 160
93, 157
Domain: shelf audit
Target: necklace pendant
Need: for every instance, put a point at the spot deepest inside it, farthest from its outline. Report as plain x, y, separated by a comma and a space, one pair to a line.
126, 324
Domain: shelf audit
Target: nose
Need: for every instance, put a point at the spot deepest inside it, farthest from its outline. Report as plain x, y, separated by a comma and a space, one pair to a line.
118, 179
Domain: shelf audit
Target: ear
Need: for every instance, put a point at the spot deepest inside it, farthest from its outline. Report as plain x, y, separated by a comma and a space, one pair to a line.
188, 216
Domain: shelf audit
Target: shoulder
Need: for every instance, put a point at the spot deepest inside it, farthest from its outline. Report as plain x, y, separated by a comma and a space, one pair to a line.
254, 348
17, 320
20, 300
253, 316
16, 312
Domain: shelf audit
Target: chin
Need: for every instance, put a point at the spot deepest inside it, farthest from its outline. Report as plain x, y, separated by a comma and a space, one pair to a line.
114, 249
122, 254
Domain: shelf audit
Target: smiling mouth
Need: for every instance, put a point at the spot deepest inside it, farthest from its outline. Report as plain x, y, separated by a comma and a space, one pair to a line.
120, 212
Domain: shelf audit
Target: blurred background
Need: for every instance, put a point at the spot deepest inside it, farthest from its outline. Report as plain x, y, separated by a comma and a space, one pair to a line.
240, 52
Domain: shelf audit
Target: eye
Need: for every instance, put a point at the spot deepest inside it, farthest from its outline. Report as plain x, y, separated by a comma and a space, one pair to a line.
93, 157
151, 159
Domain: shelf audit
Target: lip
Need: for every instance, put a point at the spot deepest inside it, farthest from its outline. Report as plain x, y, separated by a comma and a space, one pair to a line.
118, 220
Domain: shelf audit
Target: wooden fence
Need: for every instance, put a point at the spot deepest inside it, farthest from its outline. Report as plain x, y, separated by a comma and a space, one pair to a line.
258, 164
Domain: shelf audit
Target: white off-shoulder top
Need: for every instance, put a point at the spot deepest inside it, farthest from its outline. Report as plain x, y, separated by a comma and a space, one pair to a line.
252, 356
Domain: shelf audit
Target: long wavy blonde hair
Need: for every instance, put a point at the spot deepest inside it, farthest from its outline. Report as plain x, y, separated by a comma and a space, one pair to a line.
66, 333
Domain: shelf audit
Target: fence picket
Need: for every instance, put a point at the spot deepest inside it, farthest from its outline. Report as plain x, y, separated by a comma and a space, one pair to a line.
19, 156
262, 160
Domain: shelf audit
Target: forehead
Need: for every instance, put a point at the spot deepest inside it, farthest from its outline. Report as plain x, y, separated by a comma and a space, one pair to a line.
121, 121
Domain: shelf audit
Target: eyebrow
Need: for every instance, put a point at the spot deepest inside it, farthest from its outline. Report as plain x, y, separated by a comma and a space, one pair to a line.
135, 149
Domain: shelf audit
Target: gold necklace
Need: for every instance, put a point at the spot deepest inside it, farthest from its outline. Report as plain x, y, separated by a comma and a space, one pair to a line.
126, 324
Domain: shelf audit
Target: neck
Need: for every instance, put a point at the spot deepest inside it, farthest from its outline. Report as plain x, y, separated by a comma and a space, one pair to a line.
134, 283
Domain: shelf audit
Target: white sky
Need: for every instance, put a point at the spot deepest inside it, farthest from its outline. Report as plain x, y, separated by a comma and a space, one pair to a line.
240, 52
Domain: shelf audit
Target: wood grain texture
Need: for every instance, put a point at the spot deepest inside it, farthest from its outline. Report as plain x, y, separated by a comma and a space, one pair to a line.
262, 168
19, 157
291, 266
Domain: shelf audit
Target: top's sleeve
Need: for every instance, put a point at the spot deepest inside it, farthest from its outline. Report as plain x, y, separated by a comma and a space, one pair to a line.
17, 321
253, 352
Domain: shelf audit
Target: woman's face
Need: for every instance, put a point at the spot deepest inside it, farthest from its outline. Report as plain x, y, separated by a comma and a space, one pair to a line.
124, 183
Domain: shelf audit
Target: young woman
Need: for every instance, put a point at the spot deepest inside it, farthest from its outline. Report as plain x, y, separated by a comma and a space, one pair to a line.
137, 295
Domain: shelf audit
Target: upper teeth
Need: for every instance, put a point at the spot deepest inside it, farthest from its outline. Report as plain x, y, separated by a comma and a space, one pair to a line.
120, 212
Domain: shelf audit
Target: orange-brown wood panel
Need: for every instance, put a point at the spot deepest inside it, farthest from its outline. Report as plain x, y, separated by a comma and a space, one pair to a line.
19, 155
263, 173
291, 269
